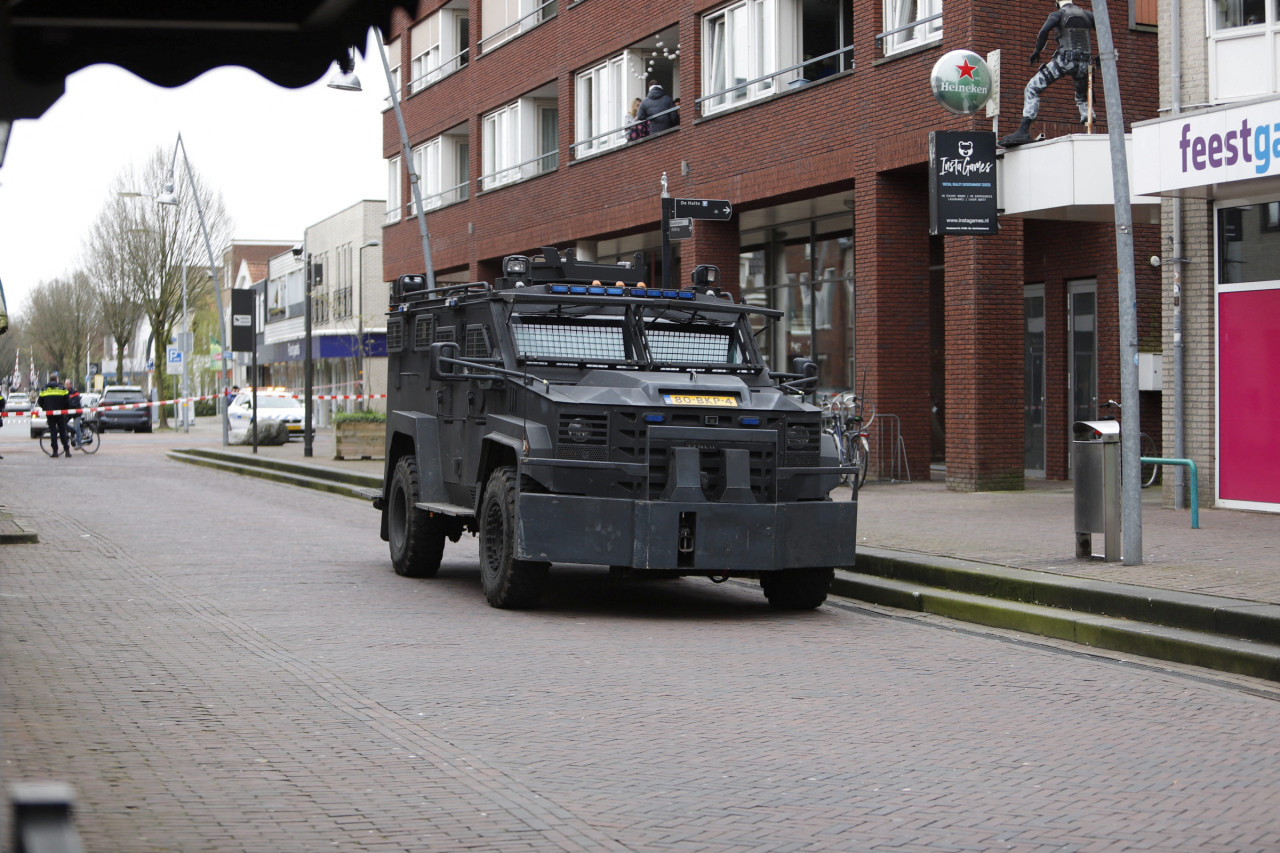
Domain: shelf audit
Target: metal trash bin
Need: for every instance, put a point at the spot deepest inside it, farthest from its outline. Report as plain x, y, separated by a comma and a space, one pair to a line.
1095, 469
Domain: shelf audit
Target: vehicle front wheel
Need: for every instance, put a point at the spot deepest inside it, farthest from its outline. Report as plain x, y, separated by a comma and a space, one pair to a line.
415, 536
797, 589
508, 583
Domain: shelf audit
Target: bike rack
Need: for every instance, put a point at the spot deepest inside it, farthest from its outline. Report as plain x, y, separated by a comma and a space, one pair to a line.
890, 455
1195, 490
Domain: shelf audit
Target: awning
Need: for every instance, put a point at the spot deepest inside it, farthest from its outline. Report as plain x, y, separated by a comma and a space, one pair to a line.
290, 42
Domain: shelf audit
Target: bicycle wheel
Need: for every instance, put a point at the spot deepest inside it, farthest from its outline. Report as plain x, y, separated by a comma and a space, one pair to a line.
1150, 470
90, 439
46, 444
856, 454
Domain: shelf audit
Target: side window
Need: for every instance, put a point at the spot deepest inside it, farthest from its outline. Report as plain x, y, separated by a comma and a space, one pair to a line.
909, 24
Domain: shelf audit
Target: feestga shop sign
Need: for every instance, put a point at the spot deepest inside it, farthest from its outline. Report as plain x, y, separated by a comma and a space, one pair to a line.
1197, 152
962, 183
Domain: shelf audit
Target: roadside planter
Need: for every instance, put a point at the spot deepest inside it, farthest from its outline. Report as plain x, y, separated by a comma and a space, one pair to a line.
359, 435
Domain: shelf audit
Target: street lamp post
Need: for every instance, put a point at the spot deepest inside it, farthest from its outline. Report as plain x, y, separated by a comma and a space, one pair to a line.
351, 83
169, 196
360, 349
307, 366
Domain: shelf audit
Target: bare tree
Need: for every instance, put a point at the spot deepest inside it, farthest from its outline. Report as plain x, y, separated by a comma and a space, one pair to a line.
114, 253
61, 321
142, 247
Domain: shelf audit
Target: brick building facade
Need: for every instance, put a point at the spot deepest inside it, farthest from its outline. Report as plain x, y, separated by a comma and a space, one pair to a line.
819, 139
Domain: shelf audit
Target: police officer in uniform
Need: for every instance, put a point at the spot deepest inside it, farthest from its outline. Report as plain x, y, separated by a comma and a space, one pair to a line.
54, 397
1071, 24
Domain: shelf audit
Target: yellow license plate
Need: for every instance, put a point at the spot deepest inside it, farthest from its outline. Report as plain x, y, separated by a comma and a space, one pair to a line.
698, 400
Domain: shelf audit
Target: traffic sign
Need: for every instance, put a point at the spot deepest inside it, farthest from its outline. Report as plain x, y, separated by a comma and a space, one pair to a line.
174, 356
680, 228
702, 208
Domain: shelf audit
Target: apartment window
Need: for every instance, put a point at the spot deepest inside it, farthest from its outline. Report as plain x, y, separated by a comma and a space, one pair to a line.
439, 46
441, 164
393, 189
393, 60
520, 140
744, 42
911, 23
503, 20
1230, 14
601, 105
342, 284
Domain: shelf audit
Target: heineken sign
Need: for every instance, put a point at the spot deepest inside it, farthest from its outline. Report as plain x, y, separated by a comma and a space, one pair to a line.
961, 81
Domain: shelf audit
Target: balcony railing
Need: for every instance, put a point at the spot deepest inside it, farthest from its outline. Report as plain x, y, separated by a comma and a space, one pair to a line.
439, 71
519, 26
531, 168
919, 22
589, 144
452, 195
791, 75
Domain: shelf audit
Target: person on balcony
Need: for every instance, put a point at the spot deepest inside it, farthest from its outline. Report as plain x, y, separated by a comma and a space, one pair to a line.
1073, 56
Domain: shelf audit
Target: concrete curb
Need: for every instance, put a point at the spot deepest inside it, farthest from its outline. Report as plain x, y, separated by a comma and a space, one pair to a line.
1224, 634
12, 533
318, 477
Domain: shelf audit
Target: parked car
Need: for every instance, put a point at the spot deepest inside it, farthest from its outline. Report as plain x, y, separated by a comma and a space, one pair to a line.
19, 402
274, 404
137, 419
39, 423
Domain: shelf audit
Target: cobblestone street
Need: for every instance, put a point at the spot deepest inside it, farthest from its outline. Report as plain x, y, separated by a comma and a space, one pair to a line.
219, 663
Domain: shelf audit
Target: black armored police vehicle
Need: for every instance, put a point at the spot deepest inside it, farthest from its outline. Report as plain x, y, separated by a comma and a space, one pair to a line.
567, 413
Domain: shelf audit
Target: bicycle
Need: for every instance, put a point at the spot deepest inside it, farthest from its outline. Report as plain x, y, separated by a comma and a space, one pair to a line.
1150, 471
84, 437
843, 421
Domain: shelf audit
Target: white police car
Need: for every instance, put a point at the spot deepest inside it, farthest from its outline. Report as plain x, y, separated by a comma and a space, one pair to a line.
274, 404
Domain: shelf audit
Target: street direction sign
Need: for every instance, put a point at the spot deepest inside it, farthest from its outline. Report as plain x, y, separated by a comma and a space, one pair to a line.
680, 228
702, 208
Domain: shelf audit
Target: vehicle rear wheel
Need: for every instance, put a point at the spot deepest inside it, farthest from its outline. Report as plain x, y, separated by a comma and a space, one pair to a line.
797, 589
508, 583
46, 444
415, 537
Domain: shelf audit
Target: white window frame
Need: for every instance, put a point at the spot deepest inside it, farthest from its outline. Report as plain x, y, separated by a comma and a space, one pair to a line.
746, 41
424, 52
900, 13
503, 20
601, 102
393, 62
437, 162
436, 47
511, 140
393, 189
501, 136
1243, 59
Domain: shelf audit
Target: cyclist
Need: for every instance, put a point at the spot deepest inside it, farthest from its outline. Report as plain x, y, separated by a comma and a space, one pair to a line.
73, 420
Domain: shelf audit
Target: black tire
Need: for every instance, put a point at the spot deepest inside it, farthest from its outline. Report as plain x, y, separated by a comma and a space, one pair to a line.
46, 444
90, 439
146, 428
797, 589
416, 538
508, 583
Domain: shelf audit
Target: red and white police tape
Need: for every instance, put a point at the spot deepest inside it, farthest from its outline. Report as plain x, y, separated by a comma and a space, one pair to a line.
36, 412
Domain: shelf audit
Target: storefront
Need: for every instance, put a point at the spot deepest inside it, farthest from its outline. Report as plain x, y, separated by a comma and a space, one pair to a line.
1229, 157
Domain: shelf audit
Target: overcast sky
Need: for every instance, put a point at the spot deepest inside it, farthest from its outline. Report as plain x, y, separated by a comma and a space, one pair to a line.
283, 159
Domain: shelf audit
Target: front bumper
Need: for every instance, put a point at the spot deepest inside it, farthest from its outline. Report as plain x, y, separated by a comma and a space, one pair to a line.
694, 536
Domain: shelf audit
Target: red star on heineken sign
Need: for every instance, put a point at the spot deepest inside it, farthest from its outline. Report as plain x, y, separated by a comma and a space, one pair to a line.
966, 70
